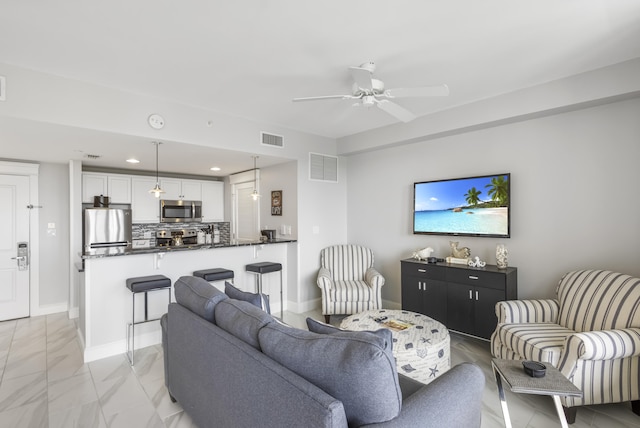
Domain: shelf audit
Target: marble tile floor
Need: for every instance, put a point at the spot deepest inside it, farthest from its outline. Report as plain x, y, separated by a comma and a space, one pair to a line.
45, 384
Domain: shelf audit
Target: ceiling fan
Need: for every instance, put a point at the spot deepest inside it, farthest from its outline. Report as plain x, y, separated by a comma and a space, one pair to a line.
371, 92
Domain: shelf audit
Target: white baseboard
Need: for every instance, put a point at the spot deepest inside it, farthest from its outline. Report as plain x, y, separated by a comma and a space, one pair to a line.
120, 346
49, 309
74, 313
309, 305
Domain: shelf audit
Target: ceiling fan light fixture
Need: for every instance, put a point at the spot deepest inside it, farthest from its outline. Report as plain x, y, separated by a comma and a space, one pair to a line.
157, 190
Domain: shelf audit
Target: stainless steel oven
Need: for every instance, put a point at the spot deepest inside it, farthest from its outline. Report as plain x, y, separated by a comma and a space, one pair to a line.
180, 211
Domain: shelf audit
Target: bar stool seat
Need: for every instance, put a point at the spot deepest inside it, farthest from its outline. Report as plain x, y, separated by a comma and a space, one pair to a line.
143, 284
262, 268
215, 274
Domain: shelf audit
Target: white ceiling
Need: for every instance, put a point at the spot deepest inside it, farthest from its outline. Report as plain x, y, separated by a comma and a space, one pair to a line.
250, 58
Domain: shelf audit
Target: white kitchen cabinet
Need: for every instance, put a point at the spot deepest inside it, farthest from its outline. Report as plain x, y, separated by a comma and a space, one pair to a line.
145, 206
189, 190
117, 187
212, 201
93, 185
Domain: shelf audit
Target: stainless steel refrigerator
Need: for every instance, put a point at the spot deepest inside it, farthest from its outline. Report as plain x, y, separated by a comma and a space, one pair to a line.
107, 228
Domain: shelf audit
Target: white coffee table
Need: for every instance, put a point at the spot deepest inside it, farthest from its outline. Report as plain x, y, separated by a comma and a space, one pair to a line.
421, 349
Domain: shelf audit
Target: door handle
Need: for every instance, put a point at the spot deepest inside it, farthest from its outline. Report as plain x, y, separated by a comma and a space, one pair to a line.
18, 258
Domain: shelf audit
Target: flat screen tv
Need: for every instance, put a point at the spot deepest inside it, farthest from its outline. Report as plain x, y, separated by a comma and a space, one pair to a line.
472, 206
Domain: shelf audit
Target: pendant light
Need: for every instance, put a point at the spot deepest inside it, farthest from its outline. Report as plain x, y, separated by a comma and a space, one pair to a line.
157, 190
255, 195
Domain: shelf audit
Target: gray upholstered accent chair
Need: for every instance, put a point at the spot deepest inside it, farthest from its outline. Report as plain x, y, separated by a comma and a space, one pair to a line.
590, 332
348, 281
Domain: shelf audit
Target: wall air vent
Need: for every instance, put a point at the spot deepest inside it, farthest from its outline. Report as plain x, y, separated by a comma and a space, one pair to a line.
271, 140
323, 167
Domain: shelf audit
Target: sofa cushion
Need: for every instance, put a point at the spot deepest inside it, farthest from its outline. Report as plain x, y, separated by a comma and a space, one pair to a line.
320, 327
242, 319
257, 299
198, 296
357, 368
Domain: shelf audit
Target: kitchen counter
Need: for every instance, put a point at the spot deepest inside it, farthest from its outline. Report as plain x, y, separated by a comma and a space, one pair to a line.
110, 252
105, 303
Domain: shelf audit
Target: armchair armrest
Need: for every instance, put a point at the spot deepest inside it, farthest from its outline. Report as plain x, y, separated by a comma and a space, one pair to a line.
599, 345
452, 400
324, 279
373, 278
525, 311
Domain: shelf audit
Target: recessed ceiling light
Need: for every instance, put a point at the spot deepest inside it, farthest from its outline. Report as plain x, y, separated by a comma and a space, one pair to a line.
215, 168
132, 160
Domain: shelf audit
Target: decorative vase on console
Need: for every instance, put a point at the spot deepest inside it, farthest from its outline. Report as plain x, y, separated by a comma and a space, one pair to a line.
501, 256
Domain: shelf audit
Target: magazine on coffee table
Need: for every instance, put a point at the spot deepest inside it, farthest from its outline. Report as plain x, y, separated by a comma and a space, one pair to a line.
394, 324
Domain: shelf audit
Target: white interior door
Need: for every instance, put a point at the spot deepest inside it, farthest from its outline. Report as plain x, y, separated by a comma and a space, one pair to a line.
246, 221
14, 229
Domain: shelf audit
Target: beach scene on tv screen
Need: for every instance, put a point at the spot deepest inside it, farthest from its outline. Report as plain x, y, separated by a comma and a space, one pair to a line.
478, 206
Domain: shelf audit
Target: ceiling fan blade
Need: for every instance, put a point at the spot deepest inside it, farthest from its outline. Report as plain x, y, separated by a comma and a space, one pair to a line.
395, 110
423, 91
324, 97
362, 77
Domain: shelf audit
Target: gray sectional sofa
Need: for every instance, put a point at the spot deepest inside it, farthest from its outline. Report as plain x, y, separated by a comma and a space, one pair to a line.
230, 364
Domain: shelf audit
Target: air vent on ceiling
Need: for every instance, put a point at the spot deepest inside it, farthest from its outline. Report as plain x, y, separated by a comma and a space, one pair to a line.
3, 88
323, 167
92, 157
271, 140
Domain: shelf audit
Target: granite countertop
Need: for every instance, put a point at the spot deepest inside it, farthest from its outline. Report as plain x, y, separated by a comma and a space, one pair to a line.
110, 252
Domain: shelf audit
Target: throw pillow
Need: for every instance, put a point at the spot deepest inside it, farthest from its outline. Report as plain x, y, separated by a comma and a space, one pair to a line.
198, 296
242, 319
357, 368
320, 327
256, 299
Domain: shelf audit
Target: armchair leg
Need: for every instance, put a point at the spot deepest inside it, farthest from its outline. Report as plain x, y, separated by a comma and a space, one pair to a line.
635, 407
570, 414
326, 319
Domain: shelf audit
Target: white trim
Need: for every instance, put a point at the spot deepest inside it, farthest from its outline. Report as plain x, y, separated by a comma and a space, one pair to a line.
31, 170
49, 309
93, 353
3, 88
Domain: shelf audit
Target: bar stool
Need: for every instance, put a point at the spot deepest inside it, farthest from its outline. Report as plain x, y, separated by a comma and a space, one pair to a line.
143, 284
215, 274
262, 268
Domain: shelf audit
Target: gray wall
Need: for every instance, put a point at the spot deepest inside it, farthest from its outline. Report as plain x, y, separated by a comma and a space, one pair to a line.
53, 191
574, 195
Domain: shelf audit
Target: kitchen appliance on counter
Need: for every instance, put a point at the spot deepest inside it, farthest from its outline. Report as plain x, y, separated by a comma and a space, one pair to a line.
270, 234
176, 238
107, 228
180, 211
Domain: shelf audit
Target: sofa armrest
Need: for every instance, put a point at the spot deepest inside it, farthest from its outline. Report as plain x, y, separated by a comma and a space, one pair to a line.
452, 400
324, 280
525, 311
373, 278
599, 345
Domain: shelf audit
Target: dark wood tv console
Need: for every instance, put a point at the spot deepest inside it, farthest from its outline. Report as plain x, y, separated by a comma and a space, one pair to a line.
460, 297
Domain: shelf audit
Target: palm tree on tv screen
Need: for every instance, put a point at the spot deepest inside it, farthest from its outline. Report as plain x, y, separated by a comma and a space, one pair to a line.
498, 190
472, 196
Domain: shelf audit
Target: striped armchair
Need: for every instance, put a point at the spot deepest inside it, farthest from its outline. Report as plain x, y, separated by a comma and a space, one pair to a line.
591, 333
348, 281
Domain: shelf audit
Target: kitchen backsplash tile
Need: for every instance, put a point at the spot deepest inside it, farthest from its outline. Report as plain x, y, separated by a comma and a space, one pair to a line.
147, 231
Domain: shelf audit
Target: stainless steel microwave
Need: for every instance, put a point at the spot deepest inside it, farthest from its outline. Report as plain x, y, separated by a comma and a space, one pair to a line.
180, 211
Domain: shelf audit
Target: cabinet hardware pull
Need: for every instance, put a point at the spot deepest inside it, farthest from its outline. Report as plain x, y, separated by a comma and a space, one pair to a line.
473, 277
422, 270
476, 294
470, 295
419, 285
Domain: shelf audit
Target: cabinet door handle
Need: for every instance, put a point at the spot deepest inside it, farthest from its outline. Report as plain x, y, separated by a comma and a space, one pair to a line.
470, 295
473, 277
476, 294
419, 285
422, 270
